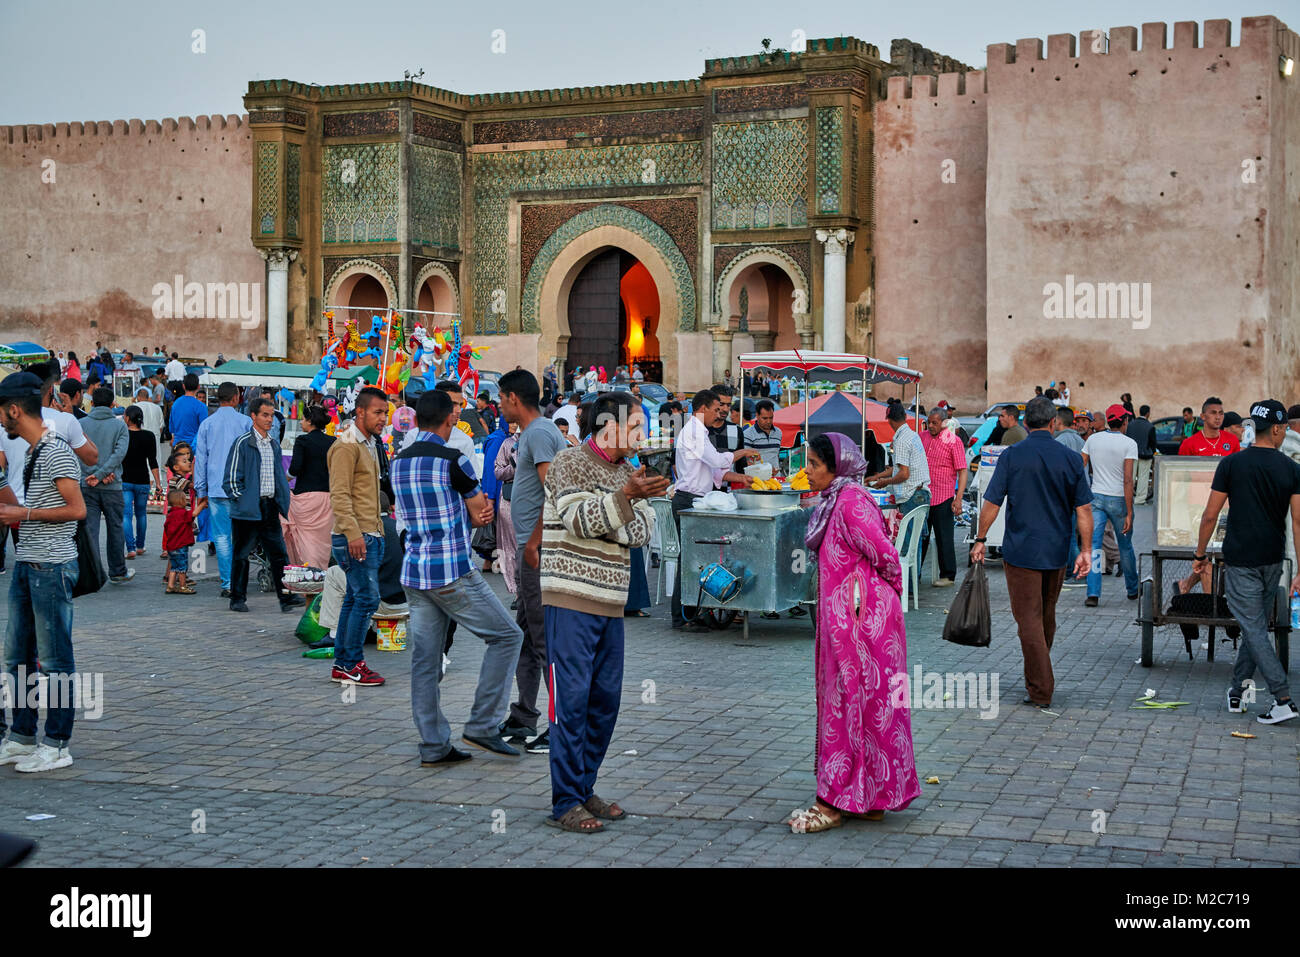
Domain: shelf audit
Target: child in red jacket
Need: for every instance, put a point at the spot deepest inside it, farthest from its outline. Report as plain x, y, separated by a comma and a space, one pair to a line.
178, 536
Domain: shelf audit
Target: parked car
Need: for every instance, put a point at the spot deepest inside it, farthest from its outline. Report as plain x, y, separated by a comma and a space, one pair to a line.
1169, 433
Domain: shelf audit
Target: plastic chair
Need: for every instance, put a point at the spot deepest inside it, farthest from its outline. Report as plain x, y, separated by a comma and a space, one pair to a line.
910, 528
670, 546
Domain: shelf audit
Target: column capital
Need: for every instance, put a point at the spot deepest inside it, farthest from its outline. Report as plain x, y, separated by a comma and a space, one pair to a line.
836, 240
278, 258
721, 333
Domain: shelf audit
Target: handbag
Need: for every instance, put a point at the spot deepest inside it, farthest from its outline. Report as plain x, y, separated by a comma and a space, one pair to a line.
90, 573
969, 619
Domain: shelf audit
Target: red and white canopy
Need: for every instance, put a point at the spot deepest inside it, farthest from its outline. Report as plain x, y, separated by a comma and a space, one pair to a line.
828, 366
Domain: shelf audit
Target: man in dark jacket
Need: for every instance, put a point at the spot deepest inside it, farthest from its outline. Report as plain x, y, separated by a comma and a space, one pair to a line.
258, 491
101, 484
1141, 431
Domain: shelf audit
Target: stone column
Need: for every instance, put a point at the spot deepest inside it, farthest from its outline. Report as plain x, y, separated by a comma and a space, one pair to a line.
833, 287
277, 300
764, 341
721, 352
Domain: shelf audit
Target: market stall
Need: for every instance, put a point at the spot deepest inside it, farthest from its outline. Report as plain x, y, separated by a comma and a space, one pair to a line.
1170, 594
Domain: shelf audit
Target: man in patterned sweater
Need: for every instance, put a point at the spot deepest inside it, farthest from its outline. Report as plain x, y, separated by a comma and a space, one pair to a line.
595, 513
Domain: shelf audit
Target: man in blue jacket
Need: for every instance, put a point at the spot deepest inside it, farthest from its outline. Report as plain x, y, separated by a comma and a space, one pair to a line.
258, 490
212, 444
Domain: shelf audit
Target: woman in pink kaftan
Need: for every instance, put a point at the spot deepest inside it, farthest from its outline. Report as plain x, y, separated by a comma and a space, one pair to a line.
865, 764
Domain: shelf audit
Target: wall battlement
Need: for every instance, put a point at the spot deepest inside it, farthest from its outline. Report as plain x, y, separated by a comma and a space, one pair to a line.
53, 132
1256, 32
973, 84
582, 93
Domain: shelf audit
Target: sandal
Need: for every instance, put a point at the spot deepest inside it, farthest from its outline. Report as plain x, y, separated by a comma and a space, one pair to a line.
606, 810
181, 590
812, 820
578, 820
636, 614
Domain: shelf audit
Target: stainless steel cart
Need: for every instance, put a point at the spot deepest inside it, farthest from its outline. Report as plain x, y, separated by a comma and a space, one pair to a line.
769, 543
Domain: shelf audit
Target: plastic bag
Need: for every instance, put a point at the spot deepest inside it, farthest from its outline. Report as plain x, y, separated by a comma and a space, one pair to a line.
969, 619
310, 630
717, 502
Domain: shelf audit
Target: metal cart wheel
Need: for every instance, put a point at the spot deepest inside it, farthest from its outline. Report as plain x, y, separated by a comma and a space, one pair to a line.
264, 581
1146, 616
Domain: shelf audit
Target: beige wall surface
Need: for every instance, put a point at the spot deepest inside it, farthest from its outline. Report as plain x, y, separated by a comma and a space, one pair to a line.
931, 141
1126, 166
95, 215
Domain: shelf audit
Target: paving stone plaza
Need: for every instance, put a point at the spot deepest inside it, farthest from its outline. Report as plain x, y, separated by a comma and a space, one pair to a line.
219, 745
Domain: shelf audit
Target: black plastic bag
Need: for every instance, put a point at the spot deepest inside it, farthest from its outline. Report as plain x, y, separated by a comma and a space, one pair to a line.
970, 619
90, 573
484, 541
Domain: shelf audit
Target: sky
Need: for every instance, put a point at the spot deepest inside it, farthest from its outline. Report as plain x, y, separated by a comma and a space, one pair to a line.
70, 60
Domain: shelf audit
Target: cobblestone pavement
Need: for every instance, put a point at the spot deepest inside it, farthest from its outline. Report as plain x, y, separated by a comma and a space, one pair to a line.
214, 718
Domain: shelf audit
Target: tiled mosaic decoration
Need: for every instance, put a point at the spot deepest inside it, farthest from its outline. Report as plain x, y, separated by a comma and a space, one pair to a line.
268, 161
359, 193
830, 162
435, 197
292, 200
609, 215
760, 174
497, 175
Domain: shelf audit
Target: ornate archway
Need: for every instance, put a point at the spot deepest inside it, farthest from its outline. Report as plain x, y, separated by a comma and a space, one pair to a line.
759, 255
437, 270
545, 296
346, 276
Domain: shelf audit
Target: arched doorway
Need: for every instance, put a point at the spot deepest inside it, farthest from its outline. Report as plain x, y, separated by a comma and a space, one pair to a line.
613, 314
761, 302
436, 296
362, 292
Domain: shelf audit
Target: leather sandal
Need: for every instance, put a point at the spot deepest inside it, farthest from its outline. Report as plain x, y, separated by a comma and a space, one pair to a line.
812, 820
577, 820
606, 810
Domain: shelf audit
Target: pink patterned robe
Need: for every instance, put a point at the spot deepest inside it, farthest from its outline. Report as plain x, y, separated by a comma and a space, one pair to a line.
864, 744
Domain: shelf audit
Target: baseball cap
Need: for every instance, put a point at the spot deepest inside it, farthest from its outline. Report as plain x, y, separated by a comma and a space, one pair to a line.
1116, 412
1230, 419
20, 385
1265, 412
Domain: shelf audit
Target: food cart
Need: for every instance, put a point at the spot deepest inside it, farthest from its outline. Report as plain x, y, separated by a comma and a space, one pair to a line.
1182, 489
766, 534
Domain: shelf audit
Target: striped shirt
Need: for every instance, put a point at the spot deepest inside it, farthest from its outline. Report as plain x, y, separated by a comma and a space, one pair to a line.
51, 542
267, 472
429, 481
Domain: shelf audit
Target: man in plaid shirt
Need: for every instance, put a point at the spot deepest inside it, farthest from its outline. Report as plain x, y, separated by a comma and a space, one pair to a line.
442, 584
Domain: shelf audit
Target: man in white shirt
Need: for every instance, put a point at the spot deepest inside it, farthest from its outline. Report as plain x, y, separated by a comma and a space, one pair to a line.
700, 469
1112, 457
175, 369
637, 374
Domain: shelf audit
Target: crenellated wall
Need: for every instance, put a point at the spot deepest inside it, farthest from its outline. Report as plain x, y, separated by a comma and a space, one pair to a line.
95, 215
931, 143
1162, 164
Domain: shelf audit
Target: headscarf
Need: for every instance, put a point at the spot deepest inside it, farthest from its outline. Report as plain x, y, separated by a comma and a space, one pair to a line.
850, 467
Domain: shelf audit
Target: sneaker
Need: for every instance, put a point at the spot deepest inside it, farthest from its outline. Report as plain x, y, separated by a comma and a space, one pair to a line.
121, 580
1275, 715
942, 583
358, 674
11, 752
45, 758
540, 744
1234, 703
1091, 601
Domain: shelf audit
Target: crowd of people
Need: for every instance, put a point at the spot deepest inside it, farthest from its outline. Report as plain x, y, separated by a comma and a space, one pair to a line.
564, 497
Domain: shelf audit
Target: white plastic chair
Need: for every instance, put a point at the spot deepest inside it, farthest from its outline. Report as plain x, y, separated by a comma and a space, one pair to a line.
914, 521
670, 547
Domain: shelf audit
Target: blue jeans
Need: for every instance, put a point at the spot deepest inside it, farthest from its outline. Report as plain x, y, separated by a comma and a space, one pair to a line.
40, 628
219, 509
470, 602
135, 499
1111, 508
920, 497
361, 600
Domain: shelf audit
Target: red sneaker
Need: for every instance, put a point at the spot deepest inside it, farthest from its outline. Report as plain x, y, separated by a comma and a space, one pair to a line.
359, 674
